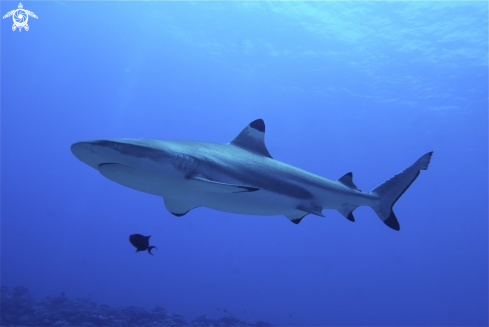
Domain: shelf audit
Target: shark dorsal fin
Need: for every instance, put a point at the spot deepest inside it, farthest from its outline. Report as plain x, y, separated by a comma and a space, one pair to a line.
347, 180
252, 138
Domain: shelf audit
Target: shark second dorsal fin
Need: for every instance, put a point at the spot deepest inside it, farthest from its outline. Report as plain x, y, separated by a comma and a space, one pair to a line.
252, 138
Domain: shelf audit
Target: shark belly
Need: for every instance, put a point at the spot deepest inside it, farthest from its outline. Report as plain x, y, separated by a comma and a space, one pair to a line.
188, 194
145, 180
262, 203
185, 194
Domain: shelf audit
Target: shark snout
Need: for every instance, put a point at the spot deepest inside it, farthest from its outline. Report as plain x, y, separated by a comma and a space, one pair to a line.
81, 149
86, 152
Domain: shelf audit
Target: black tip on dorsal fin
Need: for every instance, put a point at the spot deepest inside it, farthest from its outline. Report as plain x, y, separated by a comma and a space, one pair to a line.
347, 180
252, 138
259, 125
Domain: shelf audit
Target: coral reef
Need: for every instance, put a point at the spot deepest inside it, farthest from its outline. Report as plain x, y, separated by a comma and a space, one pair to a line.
17, 308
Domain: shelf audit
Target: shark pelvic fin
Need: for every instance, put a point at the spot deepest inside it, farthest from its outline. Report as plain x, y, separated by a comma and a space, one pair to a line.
217, 187
347, 180
252, 138
178, 207
310, 208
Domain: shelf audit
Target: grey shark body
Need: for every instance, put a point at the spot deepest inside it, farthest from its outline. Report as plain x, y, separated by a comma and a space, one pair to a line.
239, 177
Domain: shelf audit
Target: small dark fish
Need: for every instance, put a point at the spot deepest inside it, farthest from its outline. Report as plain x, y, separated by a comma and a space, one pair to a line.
141, 243
63, 294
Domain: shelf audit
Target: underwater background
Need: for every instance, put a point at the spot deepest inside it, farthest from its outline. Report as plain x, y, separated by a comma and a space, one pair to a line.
359, 86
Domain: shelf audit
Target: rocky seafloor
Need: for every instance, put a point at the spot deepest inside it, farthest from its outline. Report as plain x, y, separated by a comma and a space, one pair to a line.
18, 308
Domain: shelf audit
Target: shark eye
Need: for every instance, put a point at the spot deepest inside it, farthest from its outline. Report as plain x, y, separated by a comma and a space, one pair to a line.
113, 145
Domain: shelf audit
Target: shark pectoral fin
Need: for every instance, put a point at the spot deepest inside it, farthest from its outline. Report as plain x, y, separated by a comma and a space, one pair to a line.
296, 216
178, 207
218, 187
347, 211
311, 208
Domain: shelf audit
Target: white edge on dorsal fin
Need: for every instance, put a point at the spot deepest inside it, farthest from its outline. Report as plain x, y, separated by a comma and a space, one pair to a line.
252, 138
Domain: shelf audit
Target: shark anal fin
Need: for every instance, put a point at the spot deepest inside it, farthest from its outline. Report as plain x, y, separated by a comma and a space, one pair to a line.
178, 208
347, 211
252, 138
218, 187
347, 180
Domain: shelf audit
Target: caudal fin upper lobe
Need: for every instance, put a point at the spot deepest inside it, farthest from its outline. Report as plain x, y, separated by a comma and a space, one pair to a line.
391, 190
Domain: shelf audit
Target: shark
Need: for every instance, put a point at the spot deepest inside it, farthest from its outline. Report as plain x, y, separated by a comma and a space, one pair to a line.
239, 177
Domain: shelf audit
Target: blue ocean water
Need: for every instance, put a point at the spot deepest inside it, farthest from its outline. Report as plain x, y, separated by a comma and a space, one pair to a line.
366, 87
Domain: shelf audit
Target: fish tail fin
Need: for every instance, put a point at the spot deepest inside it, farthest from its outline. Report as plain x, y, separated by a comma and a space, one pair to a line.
391, 190
151, 248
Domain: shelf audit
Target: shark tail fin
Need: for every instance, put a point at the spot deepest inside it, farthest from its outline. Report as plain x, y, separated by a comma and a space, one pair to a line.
391, 190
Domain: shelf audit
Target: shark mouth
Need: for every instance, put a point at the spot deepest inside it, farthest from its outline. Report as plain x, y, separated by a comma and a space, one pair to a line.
114, 170
110, 163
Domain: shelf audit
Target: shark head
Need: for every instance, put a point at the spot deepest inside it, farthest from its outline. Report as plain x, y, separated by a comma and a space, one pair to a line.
127, 152
129, 162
